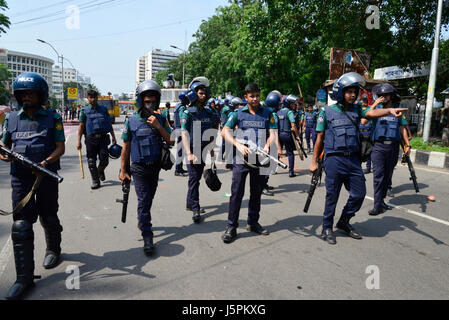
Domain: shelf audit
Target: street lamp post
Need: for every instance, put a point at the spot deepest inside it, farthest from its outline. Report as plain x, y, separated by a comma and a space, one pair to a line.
62, 68
183, 63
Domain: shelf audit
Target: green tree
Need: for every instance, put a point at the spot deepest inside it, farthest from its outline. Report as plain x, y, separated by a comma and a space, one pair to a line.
4, 20
5, 76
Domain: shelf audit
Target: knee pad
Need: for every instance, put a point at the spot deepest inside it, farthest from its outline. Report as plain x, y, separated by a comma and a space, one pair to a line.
22, 230
91, 162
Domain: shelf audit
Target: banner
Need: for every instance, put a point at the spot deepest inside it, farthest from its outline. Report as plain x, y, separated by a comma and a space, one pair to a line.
72, 94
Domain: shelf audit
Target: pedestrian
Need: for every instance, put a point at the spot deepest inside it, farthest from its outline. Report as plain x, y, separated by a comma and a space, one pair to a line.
387, 133
180, 107
141, 153
287, 125
310, 119
337, 135
195, 121
37, 134
254, 122
95, 124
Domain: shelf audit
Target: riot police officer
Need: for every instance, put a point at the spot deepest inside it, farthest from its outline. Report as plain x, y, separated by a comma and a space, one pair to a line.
37, 134
287, 125
95, 124
254, 122
337, 134
225, 111
195, 121
179, 109
310, 118
386, 135
142, 142
365, 129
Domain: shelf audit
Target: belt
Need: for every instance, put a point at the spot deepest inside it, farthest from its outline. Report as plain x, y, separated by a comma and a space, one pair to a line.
344, 154
387, 141
101, 135
149, 163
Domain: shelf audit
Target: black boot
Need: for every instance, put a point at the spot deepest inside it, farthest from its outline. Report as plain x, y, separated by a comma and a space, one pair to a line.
101, 168
94, 173
343, 224
196, 217
23, 242
148, 246
53, 230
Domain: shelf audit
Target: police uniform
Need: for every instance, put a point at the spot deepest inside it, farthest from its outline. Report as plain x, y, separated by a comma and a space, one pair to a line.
365, 130
145, 151
205, 119
286, 118
225, 112
342, 163
177, 122
35, 139
386, 135
98, 125
310, 118
249, 125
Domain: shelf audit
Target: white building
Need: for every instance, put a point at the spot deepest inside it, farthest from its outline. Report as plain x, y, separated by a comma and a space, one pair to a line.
19, 62
70, 75
152, 62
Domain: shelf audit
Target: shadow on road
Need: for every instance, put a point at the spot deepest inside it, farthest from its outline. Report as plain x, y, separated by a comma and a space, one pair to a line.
293, 187
410, 199
379, 228
305, 225
409, 187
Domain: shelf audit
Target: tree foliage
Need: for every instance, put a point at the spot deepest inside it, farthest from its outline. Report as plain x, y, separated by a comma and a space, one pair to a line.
4, 20
282, 43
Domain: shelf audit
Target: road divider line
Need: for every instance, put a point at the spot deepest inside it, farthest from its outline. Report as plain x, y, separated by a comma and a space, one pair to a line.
419, 214
4, 256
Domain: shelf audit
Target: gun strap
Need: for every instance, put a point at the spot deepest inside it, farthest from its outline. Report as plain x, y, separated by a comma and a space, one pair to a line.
24, 201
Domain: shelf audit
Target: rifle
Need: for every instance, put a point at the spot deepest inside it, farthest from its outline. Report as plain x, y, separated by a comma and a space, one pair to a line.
406, 159
29, 163
261, 152
316, 179
125, 188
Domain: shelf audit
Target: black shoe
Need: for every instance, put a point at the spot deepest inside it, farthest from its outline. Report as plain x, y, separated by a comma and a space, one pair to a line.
19, 289
229, 166
328, 236
229, 235
257, 228
267, 192
376, 211
148, 246
386, 206
52, 230
390, 193
181, 174
292, 175
366, 171
190, 209
196, 216
51, 260
348, 229
269, 187
95, 185
101, 175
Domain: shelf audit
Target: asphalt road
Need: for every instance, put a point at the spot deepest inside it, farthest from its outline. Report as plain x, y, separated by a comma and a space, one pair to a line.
407, 250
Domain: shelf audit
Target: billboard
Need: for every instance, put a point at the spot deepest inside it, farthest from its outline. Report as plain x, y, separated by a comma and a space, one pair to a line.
347, 60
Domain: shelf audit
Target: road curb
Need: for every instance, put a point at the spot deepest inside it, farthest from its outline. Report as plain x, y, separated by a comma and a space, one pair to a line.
430, 158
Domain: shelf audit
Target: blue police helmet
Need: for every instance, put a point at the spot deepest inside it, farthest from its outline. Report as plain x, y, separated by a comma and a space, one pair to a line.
115, 151
147, 86
195, 85
209, 102
289, 99
31, 81
351, 79
385, 88
183, 97
273, 100
236, 102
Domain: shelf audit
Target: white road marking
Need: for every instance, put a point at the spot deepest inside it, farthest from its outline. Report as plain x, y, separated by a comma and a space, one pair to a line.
5, 255
415, 213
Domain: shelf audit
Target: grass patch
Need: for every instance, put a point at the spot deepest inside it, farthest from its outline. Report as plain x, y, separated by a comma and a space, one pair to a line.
418, 144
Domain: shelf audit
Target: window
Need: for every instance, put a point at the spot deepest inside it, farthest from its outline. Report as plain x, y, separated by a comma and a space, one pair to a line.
23, 59
9, 58
13, 58
28, 68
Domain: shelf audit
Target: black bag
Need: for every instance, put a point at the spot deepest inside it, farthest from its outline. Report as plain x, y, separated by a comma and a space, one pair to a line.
211, 178
366, 145
166, 162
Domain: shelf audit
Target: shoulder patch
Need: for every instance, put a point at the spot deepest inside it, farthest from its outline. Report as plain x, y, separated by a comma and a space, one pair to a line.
320, 119
58, 126
183, 120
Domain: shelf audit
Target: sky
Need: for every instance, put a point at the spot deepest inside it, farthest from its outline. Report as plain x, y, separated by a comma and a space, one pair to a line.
110, 36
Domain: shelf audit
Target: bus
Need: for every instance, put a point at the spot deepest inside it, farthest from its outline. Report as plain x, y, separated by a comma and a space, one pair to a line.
112, 106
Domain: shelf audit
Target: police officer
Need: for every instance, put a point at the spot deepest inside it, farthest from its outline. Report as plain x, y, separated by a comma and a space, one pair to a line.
386, 135
366, 128
287, 124
179, 109
37, 134
213, 106
195, 121
95, 123
254, 122
227, 109
337, 134
142, 139
166, 113
310, 118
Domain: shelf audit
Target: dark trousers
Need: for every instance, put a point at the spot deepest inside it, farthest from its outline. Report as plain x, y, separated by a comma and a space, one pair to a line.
384, 157
44, 203
348, 171
310, 132
193, 193
286, 140
178, 167
256, 182
145, 183
98, 147
368, 163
